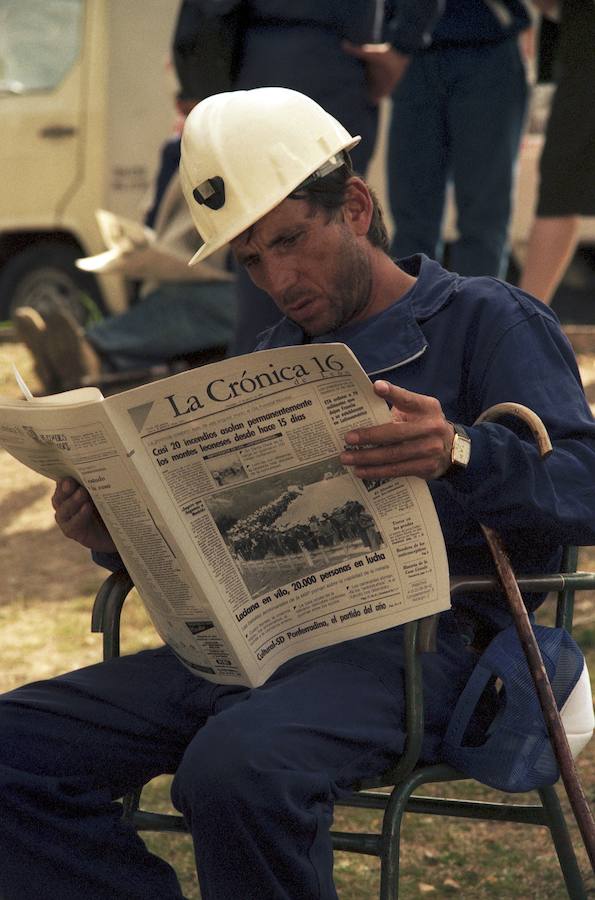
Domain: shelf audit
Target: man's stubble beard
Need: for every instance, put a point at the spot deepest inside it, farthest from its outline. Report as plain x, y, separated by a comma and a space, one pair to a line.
352, 286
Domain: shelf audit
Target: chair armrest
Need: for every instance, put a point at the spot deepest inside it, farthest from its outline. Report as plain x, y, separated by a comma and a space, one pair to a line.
565, 584
559, 581
107, 609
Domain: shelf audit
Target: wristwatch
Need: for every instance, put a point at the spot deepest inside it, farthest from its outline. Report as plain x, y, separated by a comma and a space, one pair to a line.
460, 452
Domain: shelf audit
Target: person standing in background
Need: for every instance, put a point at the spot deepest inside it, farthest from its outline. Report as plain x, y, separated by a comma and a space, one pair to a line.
567, 164
458, 114
298, 45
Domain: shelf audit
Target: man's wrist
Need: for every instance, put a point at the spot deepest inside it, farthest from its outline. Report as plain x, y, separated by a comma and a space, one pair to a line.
460, 450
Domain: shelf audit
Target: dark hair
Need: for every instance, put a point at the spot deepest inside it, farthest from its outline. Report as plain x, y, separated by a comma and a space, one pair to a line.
329, 193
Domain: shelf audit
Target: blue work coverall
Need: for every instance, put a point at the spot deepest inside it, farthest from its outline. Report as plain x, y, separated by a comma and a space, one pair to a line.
457, 116
258, 771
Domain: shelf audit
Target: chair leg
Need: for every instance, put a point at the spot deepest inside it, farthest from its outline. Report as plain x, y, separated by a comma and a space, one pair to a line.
561, 838
391, 840
130, 803
391, 837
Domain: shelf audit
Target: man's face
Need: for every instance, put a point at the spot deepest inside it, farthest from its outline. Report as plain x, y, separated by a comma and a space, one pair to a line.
317, 271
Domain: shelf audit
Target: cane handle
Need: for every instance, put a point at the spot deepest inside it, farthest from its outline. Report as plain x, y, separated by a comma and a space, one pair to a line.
537, 427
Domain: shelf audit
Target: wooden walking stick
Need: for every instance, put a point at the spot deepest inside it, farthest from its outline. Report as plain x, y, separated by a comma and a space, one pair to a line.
568, 771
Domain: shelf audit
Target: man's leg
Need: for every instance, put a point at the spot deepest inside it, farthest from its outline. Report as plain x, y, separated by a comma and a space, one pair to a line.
567, 163
486, 118
418, 158
68, 748
174, 320
551, 246
257, 784
30, 328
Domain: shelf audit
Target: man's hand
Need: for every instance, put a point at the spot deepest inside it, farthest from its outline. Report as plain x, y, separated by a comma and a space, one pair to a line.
77, 517
417, 442
385, 67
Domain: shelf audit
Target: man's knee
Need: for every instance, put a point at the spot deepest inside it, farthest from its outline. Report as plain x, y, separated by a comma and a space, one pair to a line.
231, 764
217, 767
32, 739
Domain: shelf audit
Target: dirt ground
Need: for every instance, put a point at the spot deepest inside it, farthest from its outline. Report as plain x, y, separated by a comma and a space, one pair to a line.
35, 558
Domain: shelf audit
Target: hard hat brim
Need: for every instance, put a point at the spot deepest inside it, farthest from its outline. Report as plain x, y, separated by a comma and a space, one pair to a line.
245, 222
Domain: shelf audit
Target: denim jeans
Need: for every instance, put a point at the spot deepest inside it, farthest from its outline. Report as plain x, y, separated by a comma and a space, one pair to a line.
176, 319
457, 116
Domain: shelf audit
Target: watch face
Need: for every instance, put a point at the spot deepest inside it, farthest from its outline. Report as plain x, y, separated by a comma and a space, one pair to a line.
461, 451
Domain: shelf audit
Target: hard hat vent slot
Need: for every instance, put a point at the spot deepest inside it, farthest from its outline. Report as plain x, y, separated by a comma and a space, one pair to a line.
211, 193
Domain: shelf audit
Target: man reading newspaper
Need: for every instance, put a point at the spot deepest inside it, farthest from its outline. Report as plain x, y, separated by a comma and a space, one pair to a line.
257, 770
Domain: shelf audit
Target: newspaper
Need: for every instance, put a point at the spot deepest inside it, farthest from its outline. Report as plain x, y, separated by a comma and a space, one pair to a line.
222, 489
121, 236
140, 253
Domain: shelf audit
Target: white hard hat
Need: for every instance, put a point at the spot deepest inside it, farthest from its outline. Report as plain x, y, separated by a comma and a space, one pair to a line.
244, 152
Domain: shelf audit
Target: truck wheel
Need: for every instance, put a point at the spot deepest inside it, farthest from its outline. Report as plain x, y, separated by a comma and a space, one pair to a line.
45, 275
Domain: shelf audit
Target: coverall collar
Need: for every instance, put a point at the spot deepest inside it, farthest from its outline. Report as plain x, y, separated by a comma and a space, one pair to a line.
434, 288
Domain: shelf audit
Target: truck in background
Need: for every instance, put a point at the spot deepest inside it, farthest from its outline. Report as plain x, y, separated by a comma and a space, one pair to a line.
85, 105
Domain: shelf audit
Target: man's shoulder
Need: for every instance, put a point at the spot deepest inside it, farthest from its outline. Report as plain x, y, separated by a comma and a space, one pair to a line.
481, 286
477, 311
492, 316
498, 300
438, 290
498, 314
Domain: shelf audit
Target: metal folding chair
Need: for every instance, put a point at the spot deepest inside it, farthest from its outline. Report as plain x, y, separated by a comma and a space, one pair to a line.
409, 772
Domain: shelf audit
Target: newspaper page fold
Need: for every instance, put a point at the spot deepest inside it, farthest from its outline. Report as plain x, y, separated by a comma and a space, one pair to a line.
246, 538
121, 236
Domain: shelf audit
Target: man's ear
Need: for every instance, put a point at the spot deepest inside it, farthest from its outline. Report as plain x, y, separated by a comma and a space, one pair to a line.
357, 206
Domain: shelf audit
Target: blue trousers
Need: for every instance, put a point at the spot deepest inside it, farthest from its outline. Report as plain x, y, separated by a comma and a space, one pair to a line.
457, 115
256, 771
174, 320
